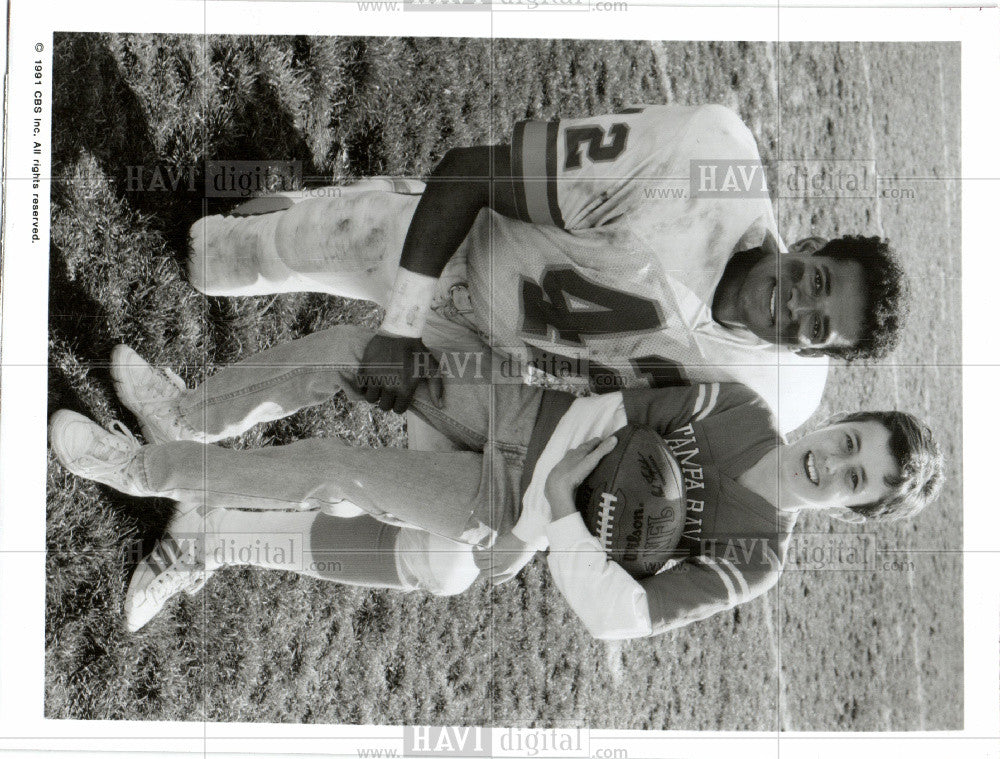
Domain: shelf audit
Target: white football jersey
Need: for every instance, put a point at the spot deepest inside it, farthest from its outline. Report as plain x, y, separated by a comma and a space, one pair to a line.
612, 268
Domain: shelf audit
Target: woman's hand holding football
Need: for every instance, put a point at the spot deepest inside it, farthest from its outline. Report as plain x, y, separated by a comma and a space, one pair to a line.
566, 476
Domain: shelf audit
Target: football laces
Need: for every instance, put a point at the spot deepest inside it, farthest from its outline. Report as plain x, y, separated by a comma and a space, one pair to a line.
605, 520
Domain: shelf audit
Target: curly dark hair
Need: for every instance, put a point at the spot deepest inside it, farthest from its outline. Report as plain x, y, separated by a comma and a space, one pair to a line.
886, 290
921, 466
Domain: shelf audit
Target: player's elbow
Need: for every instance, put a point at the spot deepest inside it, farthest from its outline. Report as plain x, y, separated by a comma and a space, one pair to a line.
476, 162
460, 181
461, 162
449, 164
619, 627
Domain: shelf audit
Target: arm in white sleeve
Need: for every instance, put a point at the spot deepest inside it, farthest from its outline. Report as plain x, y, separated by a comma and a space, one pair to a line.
593, 416
613, 605
610, 603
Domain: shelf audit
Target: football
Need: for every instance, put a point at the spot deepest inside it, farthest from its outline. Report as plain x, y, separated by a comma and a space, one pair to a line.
633, 501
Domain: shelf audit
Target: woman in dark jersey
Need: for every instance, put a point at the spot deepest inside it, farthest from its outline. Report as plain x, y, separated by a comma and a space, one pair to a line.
744, 489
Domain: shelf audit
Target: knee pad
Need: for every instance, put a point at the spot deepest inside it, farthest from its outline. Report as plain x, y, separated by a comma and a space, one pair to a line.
438, 565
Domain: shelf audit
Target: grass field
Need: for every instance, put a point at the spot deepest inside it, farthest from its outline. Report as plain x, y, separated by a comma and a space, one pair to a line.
872, 649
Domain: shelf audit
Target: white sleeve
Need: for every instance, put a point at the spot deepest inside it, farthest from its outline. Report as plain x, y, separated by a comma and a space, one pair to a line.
609, 601
592, 416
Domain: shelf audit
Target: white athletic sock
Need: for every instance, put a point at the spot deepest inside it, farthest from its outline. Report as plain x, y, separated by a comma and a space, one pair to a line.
359, 551
265, 539
229, 537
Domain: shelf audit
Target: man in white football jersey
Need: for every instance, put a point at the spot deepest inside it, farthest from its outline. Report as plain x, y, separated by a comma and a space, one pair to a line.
583, 247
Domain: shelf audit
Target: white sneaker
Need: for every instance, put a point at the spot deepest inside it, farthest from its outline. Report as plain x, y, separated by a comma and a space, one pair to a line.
175, 565
88, 450
153, 394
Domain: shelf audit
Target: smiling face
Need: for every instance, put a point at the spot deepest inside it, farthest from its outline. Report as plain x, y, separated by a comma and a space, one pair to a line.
842, 465
810, 302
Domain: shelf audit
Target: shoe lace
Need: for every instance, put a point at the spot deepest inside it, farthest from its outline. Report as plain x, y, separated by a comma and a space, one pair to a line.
164, 384
123, 434
197, 581
164, 411
184, 575
160, 380
115, 450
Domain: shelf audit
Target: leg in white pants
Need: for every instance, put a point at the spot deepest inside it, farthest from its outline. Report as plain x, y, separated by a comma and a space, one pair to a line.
450, 494
343, 241
279, 381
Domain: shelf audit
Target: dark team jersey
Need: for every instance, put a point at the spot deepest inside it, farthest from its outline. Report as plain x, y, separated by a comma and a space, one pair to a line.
734, 542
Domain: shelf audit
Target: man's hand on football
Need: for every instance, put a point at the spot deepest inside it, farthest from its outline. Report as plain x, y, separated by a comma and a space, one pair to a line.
393, 367
566, 476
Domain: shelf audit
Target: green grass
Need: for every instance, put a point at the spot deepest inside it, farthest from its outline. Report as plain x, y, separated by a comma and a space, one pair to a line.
864, 650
